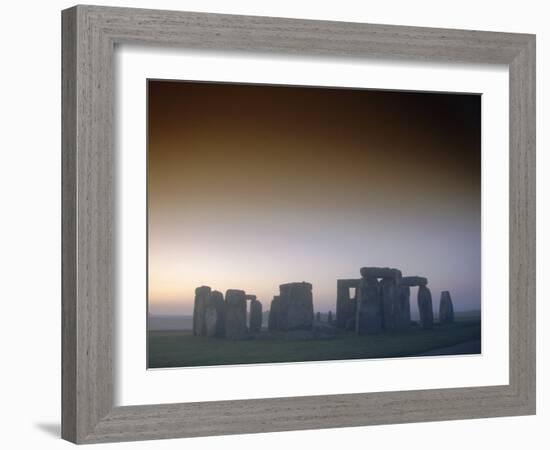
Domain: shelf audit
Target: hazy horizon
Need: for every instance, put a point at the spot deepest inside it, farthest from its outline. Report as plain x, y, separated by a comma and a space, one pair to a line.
252, 186
190, 314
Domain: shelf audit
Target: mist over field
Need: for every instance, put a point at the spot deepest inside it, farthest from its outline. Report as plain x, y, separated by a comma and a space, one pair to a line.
185, 322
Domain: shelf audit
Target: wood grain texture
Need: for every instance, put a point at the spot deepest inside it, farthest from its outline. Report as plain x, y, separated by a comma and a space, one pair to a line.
68, 226
89, 36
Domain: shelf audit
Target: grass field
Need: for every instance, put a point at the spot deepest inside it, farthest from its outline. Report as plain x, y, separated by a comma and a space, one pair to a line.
182, 349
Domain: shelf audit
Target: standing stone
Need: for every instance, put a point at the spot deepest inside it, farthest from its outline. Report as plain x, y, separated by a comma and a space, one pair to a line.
330, 317
350, 325
342, 299
215, 315
296, 306
446, 310
390, 304
425, 307
220, 309
369, 307
211, 315
211, 319
405, 307
274, 313
345, 304
255, 316
235, 314
199, 310
318, 316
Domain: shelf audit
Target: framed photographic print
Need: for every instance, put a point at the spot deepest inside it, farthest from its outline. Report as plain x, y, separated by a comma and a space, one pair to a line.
278, 224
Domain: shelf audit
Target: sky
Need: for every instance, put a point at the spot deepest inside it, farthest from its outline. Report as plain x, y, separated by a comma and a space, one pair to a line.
252, 186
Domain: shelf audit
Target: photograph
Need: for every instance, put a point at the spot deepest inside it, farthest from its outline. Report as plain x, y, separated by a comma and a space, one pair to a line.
299, 223
275, 225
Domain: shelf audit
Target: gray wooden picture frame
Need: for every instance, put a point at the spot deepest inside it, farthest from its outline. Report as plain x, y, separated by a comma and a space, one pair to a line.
90, 34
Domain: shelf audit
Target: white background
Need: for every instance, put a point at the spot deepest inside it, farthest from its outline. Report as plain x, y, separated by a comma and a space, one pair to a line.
30, 225
135, 386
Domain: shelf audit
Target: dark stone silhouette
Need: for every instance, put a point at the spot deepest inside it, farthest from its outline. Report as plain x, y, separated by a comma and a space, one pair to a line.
405, 306
381, 305
235, 314
220, 308
413, 281
255, 316
210, 320
446, 310
390, 304
219, 303
295, 307
199, 310
381, 272
425, 307
214, 315
369, 307
274, 312
345, 305
381, 302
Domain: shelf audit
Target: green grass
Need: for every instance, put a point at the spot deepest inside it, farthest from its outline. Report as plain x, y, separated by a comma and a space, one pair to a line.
182, 349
